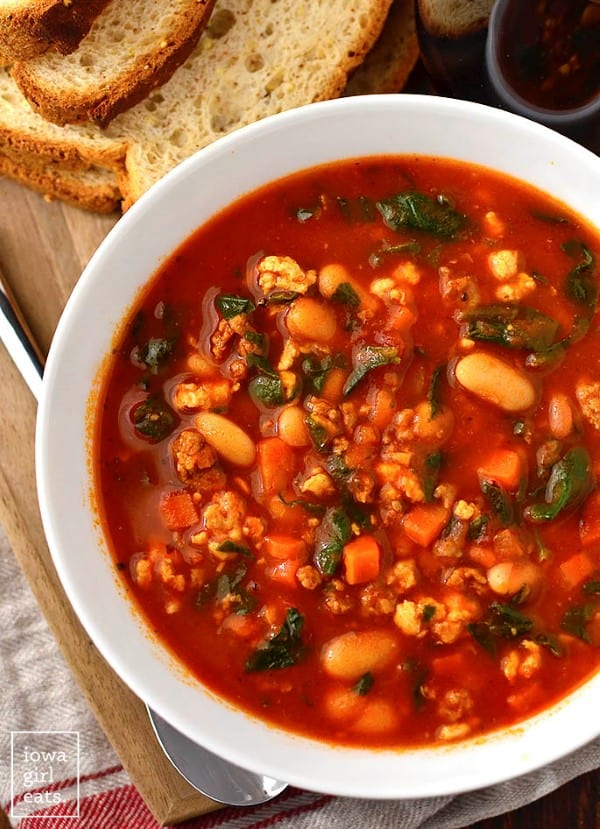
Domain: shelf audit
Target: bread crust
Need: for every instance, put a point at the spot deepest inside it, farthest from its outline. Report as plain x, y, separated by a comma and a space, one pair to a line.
454, 18
100, 102
90, 189
43, 24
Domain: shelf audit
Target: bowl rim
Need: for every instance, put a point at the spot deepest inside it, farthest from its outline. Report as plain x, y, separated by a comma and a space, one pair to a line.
305, 762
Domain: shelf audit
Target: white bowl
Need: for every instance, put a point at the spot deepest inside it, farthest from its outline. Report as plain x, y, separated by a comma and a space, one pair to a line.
149, 232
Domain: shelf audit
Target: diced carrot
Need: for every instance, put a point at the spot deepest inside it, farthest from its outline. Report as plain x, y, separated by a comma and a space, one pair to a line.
484, 556
286, 547
284, 572
362, 560
589, 527
505, 467
576, 569
403, 319
178, 510
275, 463
424, 523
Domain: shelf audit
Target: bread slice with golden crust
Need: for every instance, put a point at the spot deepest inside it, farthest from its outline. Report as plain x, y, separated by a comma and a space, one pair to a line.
90, 188
256, 58
393, 57
30, 27
131, 48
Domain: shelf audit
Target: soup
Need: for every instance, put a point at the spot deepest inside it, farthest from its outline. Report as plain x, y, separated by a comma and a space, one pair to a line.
346, 452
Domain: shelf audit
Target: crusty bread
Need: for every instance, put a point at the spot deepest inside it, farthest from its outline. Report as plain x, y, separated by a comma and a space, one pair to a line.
256, 58
131, 48
30, 27
92, 188
391, 60
454, 18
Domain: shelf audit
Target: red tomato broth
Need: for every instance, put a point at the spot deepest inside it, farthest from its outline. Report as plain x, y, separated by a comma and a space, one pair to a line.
432, 689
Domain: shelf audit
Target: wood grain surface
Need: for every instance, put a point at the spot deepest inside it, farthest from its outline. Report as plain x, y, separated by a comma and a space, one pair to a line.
43, 249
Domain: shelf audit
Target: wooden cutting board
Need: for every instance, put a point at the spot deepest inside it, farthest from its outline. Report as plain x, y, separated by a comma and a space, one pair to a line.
43, 250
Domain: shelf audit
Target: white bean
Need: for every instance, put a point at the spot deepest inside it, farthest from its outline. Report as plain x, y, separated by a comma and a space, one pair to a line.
560, 416
508, 577
333, 275
310, 319
291, 427
495, 381
226, 438
350, 655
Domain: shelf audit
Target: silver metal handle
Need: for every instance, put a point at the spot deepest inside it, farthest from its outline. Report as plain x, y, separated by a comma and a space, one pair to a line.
19, 341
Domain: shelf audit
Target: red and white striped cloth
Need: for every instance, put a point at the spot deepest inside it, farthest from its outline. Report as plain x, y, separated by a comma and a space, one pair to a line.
38, 694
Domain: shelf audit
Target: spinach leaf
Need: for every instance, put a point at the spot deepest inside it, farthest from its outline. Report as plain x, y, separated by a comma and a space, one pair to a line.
267, 390
309, 506
229, 546
552, 643
281, 297
592, 587
364, 684
230, 305
332, 534
544, 359
576, 619
502, 621
581, 284
433, 463
477, 527
154, 418
513, 326
345, 294
318, 433
367, 357
317, 370
155, 352
225, 584
420, 212
434, 391
571, 480
283, 650
260, 362
499, 500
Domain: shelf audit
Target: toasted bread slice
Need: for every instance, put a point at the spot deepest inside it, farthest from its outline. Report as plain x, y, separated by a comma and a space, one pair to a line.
454, 18
132, 48
391, 60
30, 27
90, 188
256, 58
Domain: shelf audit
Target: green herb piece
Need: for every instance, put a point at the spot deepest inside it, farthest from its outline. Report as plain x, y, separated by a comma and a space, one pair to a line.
283, 650
502, 621
513, 326
267, 390
433, 463
155, 352
420, 212
556, 352
257, 339
429, 612
540, 278
544, 552
477, 527
552, 643
230, 305
318, 433
412, 248
363, 685
332, 534
592, 587
344, 206
229, 546
499, 500
367, 209
281, 297
576, 619
337, 468
345, 294
581, 284
571, 480
154, 418
550, 218
260, 362
309, 506
228, 584
367, 357
317, 370
435, 390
